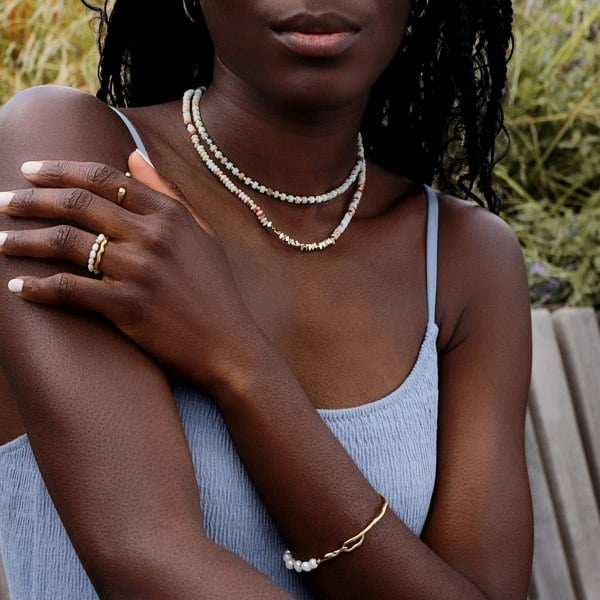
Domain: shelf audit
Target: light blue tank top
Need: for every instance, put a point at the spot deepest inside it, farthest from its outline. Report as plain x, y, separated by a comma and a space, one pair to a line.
392, 440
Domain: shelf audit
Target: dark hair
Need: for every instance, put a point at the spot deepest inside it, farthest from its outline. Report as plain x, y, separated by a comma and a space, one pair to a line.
435, 113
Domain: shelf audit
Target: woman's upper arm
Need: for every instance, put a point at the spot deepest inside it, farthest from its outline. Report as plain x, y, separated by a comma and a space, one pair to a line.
480, 520
98, 411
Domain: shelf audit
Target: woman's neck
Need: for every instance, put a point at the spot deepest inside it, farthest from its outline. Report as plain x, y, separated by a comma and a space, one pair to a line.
286, 148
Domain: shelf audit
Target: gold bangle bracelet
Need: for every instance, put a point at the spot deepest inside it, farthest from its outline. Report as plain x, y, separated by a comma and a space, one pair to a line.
348, 546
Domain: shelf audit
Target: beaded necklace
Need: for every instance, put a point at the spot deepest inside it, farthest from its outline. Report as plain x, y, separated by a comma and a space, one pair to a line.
191, 111
210, 145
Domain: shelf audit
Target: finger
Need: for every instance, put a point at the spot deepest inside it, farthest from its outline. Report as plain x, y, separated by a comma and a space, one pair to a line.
99, 179
72, 205
67, 289
66, 243
143, 170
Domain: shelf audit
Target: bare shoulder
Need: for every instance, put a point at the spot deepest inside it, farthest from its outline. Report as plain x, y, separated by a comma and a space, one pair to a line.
56, 122
482, 270
468, 229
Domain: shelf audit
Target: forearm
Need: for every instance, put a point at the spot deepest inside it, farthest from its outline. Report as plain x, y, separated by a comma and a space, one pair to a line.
191, 568
320, 497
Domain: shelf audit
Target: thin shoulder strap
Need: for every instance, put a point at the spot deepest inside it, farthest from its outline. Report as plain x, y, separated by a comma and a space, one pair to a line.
134, 133
432, 250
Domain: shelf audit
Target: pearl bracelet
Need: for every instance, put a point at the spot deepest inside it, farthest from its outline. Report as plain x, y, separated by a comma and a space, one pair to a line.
349, 545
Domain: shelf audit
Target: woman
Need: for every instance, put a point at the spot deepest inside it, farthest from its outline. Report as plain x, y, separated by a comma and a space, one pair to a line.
305, 373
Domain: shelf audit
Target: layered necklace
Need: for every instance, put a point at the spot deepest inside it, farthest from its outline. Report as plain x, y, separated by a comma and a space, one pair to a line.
219, 165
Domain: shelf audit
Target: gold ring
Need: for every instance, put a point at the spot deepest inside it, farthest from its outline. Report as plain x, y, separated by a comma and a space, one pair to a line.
96, 252
121, 194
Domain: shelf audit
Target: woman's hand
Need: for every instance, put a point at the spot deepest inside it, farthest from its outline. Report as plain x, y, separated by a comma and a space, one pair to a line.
166, 282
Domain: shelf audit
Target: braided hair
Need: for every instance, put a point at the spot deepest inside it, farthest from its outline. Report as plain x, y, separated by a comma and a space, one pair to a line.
434, 115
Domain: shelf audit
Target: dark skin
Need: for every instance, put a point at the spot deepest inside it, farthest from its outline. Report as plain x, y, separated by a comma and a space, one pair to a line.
248, 333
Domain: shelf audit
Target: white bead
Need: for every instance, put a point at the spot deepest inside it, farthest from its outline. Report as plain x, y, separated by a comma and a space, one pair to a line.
313, 563
298, 566
289, 564
287, 555
306, 566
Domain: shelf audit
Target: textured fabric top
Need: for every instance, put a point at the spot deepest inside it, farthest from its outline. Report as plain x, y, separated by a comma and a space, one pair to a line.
392, 440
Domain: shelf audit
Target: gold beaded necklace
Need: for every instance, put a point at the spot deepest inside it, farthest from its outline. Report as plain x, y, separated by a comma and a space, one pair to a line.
198, 134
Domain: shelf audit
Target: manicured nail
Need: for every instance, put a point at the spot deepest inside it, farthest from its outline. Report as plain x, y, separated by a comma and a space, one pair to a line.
144, 157
15, 286
31, 167
5, 198
3, 236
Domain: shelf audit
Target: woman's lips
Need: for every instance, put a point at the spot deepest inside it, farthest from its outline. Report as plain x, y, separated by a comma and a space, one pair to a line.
318, 35
318, 45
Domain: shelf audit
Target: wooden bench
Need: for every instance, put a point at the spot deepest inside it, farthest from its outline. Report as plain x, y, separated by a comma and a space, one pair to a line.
563, 455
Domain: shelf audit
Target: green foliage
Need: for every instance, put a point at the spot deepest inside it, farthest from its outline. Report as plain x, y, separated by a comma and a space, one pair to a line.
550, 179
551, 176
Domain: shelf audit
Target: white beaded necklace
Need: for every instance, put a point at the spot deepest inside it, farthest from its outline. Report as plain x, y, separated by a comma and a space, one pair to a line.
192, 128
210, 145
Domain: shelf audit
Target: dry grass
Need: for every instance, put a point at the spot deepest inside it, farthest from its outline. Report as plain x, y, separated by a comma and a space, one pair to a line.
47, 41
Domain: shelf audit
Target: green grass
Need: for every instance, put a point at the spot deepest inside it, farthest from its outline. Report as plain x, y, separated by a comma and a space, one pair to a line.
551, 177
550, 180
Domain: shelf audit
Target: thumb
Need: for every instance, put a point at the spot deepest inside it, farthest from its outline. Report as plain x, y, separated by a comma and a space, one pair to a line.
143, 170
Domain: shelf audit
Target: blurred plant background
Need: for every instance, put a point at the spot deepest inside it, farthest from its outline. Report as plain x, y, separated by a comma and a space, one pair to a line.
45, 41
550, 179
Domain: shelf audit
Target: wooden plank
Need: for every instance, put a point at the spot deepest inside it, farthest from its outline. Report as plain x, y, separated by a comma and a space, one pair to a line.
564, 459
579, 342
551, 579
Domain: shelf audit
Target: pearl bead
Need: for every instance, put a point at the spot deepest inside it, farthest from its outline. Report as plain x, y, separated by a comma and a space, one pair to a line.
306, 566
289, 564
298, 566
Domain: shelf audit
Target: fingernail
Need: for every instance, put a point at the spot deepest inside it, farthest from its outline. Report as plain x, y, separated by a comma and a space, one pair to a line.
15, 286
31, 167
5, 198
3, 236
144, 157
